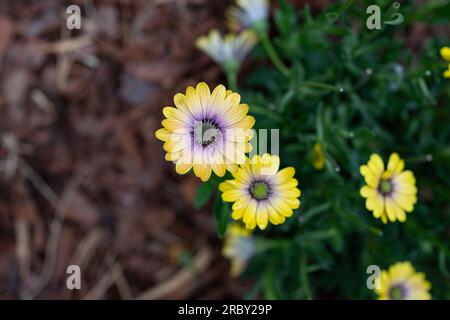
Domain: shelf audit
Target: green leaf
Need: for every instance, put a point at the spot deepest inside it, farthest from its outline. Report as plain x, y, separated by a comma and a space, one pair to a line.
221, 214
203, 194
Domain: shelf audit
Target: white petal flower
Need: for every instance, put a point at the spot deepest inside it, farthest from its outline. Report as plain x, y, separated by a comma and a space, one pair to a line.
239, 246
229, 49
247, 13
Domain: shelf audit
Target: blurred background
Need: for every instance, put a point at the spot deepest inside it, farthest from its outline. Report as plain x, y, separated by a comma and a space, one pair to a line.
82, 179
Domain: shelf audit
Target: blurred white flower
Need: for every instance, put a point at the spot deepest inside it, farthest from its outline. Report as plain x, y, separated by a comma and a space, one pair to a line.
227, 50
239, 246
247, 13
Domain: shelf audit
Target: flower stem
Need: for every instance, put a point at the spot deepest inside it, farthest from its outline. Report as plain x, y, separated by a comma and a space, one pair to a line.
273, 55
320, 85
231, 69
304, 275
232, 80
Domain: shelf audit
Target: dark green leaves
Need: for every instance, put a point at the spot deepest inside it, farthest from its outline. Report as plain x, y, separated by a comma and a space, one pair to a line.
203, 194
222, 215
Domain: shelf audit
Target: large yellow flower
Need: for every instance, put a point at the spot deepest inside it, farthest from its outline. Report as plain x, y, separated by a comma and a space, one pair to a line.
389, 192
261, 193
402, 282
239, 246
206, 131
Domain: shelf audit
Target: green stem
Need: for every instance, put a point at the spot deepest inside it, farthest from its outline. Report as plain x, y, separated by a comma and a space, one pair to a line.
304, 275
320, 85
271, 52
231, 79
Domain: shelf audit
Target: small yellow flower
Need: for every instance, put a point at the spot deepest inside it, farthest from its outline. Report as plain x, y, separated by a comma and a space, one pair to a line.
230, 49
389, 192
447, 72
261, 193
445, 53
246, 13
206, 131
318, 158
402, 282
239, 246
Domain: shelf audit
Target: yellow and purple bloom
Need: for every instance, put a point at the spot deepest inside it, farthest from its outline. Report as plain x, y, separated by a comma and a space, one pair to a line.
207, 132
391, 191
402, 282
261, 192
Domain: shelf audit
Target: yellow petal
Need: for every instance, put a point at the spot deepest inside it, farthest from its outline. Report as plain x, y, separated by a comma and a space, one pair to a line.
262, 216
406, 177
290, 193
175, 125
193, 101
285, 175
202, 171
176, 114
376, 165
227, 185
231, 195
174, 145
236, 114
281, 207
219, 169
369, 176
393, 211
367, 192
218, 96
237, 214
203, 95
247, 122
293, 203
274, 217
163, 134
406, 202
292, 183
395, 164
250, 215
182, 168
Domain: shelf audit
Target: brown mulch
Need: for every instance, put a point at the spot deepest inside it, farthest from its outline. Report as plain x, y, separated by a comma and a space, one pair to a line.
83, 180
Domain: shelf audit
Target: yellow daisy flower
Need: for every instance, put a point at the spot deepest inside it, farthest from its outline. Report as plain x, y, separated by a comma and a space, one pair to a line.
261, 193
239, 246
227, 50
402, 282
389, 192
318, 158
246, 13
206, 131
